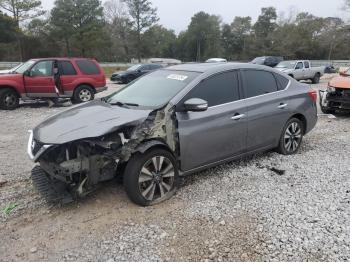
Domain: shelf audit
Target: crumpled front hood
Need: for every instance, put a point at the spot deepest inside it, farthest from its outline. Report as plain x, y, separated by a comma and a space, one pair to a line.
89, 120
340, 82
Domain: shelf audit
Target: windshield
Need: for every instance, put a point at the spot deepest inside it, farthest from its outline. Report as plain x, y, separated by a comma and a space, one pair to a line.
153, 90
24, 67
286, 64
133, 68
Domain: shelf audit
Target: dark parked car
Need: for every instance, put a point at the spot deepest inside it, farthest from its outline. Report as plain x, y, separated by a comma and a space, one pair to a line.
270, 61
133, 72
330, 70
169, 123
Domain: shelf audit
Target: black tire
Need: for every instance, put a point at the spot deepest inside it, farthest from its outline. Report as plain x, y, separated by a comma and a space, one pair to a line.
289, 136
327, 111
82, 94
139, 168
316, 79
9, 99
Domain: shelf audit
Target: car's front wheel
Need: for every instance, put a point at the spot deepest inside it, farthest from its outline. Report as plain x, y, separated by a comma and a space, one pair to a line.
151, 178
9, 99
291, 137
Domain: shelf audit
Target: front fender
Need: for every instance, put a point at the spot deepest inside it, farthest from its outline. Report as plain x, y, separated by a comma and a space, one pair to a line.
8, 83
142, 148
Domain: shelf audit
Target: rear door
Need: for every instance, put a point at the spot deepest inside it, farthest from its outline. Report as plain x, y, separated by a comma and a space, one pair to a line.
215, 134
267, 107
68, 75
40, 81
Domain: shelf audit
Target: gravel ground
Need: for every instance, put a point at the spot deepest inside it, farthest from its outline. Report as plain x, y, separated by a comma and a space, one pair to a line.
265, 208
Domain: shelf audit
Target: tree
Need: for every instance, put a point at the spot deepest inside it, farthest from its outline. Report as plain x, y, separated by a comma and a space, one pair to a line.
203, 36
78, 23
8, 29
142, 16
159, 42
266, 22
22, 10
120, 30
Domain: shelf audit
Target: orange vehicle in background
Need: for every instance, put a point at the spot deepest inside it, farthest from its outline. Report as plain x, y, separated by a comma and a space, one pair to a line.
337, 95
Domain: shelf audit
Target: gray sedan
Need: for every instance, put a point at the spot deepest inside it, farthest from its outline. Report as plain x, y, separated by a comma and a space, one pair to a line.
169, 123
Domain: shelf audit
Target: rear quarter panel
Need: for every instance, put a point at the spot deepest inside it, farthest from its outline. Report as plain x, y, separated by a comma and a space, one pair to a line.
96, 81
301, 103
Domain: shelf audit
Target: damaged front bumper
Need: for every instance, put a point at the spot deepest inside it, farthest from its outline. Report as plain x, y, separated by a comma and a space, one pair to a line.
339, 99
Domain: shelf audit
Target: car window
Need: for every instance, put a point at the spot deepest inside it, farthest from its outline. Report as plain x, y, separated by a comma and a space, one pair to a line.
282, 81
145, 68
154, 67
299, 65
88, 67
307, 64
216, 90
42, 68
66, 68
154, 89
259, 82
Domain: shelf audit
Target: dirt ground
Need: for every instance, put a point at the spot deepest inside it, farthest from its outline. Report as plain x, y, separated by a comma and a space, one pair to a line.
241, 211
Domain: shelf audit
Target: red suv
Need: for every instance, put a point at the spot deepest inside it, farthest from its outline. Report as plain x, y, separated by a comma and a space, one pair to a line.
75, 78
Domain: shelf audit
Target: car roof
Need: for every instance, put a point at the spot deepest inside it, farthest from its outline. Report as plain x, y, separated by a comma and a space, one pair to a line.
62, 58
215, 67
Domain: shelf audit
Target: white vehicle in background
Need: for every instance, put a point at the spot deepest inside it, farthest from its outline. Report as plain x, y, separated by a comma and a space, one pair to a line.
9, 71
216, 60
301, 70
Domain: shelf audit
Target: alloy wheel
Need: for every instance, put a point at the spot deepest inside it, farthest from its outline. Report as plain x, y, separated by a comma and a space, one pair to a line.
156, 178
10, 100
292, 137
85, 95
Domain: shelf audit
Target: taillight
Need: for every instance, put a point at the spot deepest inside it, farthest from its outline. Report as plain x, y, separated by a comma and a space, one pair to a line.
313, 94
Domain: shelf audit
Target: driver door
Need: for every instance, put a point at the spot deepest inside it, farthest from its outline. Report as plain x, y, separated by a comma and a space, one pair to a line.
218, 133
299, 71
39, 80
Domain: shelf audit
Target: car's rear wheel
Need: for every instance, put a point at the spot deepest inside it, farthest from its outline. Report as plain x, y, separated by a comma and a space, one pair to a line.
9, 99
291, 137
151, 178
316, 79
83, 94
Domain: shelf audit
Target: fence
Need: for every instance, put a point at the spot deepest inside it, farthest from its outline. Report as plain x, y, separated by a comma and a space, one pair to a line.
335, 63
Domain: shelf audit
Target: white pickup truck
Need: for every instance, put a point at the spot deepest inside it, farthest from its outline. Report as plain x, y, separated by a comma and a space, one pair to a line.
301, 70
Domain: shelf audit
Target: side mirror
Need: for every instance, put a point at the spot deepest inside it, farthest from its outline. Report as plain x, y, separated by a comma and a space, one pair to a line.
196, 105
27, 73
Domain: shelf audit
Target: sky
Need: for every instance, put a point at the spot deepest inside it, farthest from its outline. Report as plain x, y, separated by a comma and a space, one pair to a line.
176, 14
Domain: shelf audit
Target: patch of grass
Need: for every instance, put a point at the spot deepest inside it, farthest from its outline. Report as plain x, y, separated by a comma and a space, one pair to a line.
110, 70
9, 208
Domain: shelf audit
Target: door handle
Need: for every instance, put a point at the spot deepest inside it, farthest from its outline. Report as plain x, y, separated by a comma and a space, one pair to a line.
282, 106
237, 117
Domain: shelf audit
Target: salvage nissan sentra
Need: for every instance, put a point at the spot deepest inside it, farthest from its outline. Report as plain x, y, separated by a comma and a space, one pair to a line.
169, 123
